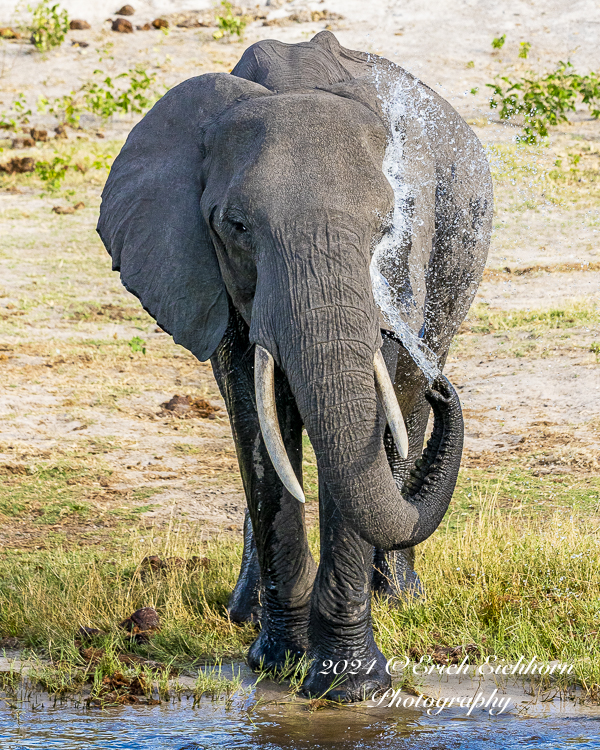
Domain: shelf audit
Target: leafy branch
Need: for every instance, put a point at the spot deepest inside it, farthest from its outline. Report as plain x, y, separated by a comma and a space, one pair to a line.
544, 100
105, 98
49, 25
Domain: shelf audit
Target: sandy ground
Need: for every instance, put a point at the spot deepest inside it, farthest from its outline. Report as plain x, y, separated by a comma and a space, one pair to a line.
75, 395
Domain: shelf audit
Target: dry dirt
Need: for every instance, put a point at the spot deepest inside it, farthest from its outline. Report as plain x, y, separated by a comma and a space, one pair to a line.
82, 429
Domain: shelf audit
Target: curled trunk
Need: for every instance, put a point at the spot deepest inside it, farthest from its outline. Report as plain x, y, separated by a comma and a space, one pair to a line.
346, 424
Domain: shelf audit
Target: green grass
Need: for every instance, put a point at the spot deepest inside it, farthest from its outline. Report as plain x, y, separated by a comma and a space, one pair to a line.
513, 569
46, 596
482, 319
509, 584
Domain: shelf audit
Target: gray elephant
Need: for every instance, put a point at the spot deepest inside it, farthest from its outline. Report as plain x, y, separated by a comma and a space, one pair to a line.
315, 223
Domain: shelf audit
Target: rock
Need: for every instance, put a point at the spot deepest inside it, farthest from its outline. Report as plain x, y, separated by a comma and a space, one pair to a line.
19, 165
78, 24
61, 131
151, 565
26, 142
122, 26
39, 135
160, 23
7, 33
126, 10
76, 43
195, 562
9, 642
87, 633
188, 407
142, 624
145, 27
63, 210
79, 205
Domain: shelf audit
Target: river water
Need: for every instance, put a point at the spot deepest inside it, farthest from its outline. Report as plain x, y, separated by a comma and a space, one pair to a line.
212, 724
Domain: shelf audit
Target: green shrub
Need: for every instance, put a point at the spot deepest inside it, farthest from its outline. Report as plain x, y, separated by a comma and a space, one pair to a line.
49, 25
524, 51
228, 24
53, 172
105, 97
498, 42
137, 344
544, 100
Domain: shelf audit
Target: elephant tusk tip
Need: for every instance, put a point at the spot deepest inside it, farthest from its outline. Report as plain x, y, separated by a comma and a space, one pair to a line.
299, 495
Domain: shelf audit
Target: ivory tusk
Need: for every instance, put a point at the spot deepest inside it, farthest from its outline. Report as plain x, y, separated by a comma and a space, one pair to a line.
385, 391
264, 388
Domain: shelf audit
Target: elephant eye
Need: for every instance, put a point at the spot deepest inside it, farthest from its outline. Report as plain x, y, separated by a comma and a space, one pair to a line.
239, 227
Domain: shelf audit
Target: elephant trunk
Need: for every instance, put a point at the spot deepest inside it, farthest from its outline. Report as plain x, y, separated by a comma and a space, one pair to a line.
323, 332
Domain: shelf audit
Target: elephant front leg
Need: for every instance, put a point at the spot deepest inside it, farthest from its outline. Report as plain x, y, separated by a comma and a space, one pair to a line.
244, 603
286, 567
346, 663
394, 575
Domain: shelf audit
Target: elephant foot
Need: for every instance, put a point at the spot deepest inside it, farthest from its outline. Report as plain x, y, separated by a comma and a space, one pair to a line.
271, 653
244, 612
394, 576
357, 678
244, 605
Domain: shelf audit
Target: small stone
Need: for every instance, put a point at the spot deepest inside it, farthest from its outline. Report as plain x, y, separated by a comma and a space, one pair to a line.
9, 642
87, 633
196, 562
63, 210
186, 406
145, 27
19, 165
175, 563
151, 564
142, 624
39, 135
26, 142
122, 26
79, 205
126, 10
160, 23
78, 24
61, 131
76, 43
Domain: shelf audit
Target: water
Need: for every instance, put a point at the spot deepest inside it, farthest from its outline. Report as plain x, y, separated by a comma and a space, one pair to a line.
398, 308
178, 726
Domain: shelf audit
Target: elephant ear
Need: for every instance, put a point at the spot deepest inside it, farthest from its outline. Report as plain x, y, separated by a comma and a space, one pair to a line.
150, 219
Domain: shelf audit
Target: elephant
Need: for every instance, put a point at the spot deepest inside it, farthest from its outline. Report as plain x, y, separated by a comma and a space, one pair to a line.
316, 223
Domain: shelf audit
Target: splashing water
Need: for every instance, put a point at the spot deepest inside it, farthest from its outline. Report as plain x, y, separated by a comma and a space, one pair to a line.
397, 104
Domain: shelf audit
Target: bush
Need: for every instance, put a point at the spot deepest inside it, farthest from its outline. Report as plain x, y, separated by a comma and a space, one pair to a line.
544, 100
228, 23
104, 98
49, 25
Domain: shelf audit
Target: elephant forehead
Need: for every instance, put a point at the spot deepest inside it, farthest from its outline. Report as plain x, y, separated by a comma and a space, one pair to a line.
318, 123
301, 143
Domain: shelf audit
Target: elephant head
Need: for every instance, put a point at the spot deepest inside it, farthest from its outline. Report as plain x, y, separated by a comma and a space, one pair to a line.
271, 193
